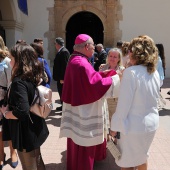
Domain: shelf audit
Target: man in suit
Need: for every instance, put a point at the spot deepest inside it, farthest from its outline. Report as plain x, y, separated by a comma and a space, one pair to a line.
101, 59
60, 63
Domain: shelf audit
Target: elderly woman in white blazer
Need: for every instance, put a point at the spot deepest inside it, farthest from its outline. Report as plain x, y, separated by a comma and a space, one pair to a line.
136, 116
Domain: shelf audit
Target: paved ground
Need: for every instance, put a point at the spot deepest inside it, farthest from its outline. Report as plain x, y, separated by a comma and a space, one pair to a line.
54, 149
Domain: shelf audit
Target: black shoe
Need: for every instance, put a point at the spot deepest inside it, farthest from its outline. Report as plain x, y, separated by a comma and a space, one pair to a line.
168, 92
59, 108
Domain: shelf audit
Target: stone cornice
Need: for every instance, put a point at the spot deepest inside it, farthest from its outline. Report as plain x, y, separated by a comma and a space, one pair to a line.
12, 25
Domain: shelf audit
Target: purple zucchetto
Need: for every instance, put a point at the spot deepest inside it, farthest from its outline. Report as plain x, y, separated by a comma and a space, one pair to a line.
81, 38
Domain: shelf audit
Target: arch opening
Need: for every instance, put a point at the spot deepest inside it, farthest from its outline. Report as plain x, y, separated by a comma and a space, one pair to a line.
83, 23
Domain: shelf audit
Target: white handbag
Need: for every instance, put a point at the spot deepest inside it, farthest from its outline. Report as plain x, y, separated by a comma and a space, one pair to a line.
42, 103
113, 149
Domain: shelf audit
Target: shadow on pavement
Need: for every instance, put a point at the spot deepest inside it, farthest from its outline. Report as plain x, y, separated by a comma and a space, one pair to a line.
164, 112
107, 164
59, 166
55, 121
54, 113
57, 101
54, 166
168, 98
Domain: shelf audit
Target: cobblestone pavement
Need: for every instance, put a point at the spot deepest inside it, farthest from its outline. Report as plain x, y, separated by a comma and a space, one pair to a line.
54, 149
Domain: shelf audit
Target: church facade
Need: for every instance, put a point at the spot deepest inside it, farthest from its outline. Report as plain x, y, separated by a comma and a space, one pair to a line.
106, 21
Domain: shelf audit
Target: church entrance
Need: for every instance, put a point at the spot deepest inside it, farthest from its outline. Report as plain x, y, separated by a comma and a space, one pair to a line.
83, 23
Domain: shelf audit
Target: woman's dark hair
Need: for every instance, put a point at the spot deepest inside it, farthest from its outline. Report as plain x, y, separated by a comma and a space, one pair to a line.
27, 66
20, 41
119, 44
161, 54
38, 40
38, 49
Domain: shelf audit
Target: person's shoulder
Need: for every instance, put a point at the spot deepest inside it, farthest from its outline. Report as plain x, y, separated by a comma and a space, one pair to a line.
19, 86
130, 70
135, 70
76, 59
44, 60
40, 59
104, 52
65, 49
79, 61
19, 81
135, 67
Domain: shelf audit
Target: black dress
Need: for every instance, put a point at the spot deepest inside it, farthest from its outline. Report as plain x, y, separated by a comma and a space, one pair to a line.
2, 101
28, 131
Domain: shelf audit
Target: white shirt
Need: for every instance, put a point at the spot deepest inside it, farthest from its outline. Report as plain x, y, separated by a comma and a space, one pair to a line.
137, 104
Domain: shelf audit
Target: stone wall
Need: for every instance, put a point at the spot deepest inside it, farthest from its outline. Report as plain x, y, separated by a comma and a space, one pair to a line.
109, 12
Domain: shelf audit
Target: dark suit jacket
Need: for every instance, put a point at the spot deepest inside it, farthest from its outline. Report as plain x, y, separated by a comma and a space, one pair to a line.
101, 60
28, 131
60, 63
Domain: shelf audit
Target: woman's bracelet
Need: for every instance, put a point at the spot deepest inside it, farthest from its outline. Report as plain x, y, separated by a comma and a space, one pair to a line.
5, 114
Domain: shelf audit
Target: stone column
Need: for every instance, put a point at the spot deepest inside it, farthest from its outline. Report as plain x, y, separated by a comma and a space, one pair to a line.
118, 17
13, 30
110, 26
58, 11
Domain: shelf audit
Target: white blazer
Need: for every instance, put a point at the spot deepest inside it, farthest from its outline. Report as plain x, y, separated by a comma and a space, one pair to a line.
136, 110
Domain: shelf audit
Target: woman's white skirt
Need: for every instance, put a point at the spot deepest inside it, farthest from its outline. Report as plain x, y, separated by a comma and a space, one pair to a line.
134, 149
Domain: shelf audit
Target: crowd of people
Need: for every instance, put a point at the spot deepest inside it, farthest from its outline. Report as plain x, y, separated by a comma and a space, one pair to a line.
101, 94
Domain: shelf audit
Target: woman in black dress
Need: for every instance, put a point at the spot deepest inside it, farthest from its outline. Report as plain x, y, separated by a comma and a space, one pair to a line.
27, 131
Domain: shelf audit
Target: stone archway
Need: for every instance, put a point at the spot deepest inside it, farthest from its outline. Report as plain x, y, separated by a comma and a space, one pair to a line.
87, 24
109, 12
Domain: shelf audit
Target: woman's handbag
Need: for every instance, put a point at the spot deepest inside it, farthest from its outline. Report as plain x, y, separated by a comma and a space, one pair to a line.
45, 77
111, 146
42, 103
